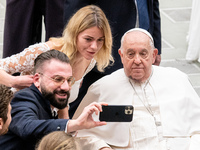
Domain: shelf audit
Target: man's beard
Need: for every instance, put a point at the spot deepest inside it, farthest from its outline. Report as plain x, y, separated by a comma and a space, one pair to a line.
59, 103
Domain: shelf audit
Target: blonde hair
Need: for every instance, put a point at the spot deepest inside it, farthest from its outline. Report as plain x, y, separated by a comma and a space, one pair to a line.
87, 17
57, 140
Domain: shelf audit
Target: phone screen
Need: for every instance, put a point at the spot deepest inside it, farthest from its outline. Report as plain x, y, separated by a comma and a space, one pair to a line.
117, 113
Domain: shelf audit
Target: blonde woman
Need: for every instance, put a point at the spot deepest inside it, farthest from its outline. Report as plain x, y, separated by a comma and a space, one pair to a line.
87, 41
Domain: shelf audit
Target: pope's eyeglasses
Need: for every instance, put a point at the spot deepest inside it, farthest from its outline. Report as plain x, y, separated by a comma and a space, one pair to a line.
59, 80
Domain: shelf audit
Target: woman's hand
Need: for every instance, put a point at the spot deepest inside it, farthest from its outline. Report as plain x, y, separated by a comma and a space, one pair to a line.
21, 82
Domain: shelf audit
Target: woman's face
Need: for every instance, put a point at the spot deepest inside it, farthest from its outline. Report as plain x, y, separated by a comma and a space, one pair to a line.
89, 42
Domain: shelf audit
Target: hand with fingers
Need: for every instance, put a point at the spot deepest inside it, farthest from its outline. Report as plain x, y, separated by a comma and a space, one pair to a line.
85, 120
21, 82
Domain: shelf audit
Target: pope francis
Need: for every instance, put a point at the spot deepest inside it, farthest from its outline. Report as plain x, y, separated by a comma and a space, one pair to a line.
166, 107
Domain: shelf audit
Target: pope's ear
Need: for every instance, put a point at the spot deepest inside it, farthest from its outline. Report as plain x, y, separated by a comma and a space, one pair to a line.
155, 53
1, 123
121, 54
36, 80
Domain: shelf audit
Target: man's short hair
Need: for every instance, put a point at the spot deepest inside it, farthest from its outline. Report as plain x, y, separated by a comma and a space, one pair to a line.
49, 55
5, 98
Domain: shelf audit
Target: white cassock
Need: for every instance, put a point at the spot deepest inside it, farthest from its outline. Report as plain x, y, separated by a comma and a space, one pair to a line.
172, 121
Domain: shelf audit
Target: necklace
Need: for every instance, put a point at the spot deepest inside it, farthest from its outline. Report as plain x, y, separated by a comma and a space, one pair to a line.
144, 100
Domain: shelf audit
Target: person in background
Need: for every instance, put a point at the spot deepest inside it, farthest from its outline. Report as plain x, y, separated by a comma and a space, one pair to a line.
58, 140
122, 15
87, 41
23, 23
193, 51
5, 108
166, 107
40, 108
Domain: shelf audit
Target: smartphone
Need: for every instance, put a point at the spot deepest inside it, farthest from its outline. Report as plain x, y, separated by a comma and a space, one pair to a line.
116, 113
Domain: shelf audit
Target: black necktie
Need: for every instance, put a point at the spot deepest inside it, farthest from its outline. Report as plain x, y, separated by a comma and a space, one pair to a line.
54, 114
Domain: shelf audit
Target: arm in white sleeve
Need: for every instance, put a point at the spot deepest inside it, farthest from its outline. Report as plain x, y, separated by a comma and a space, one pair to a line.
22, 62
91, 142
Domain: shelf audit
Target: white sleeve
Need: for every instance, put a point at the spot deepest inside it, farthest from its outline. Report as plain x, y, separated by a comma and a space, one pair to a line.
91, 142
23, 61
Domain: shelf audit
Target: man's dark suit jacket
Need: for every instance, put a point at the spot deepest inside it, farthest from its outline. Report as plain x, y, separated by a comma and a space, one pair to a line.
31, 120
121, 15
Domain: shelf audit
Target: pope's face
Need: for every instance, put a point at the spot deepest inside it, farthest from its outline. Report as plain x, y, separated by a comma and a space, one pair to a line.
137, 56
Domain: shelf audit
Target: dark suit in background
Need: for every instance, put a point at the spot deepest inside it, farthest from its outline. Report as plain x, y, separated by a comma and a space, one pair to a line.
23, 23
31, 120
122, 16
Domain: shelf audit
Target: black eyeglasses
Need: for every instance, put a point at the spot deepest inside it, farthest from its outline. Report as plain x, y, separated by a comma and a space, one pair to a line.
59, 80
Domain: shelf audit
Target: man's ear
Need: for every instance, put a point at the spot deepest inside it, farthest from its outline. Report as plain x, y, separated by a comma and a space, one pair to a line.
1, 123
155, 53
36, 80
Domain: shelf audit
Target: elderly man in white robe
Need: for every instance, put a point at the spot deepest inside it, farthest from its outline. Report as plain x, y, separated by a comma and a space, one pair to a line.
166, 107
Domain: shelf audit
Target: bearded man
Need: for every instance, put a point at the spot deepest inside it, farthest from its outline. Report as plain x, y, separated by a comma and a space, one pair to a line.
41, 108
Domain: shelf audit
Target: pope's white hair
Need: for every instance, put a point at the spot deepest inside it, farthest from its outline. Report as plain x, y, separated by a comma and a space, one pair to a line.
140, 30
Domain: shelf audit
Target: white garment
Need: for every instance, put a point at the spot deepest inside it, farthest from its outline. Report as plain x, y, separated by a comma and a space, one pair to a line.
146, 109
193, 52
23, 62
179, 109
